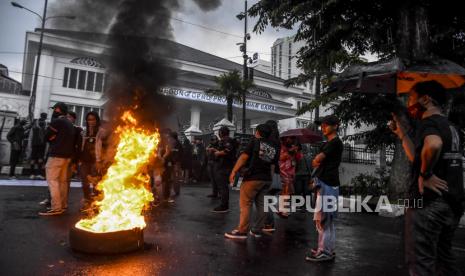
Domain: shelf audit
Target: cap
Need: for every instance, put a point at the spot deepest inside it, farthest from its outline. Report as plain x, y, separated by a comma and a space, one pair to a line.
329, 120
63, 107
433, 89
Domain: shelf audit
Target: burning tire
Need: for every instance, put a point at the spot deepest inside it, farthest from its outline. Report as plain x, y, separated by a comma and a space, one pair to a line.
106, 243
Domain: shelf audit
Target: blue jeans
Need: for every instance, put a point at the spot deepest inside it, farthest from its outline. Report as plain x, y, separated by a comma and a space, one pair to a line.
429, 232
326, 235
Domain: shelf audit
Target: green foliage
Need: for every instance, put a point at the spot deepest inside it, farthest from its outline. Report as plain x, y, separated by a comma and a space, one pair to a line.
367, 184
338, 32
231, 86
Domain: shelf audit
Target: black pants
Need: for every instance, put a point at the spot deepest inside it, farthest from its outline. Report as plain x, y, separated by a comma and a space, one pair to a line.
429, 232
211, 175
222, 180
15, 155
167, 181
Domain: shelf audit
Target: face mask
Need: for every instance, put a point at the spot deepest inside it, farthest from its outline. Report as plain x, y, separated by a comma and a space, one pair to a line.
416, 111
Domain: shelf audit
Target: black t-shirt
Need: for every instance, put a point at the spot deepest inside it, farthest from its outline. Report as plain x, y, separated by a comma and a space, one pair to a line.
444, 169
328, 171
226, 162
60, 134
262, 154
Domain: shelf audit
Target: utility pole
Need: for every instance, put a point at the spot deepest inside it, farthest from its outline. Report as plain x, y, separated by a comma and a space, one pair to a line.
244, 69
32, 100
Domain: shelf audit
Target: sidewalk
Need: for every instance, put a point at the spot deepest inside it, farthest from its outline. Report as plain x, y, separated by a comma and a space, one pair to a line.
188, 239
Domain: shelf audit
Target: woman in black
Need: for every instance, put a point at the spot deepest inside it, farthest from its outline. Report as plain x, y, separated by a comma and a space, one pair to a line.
87, 156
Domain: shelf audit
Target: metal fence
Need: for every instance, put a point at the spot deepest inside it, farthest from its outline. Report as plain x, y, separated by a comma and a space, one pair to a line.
358, 155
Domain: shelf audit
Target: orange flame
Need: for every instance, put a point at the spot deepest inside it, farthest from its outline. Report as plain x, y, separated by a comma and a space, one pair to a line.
124, 186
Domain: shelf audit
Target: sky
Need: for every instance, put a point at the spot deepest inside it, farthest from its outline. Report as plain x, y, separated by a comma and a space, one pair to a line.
15, 22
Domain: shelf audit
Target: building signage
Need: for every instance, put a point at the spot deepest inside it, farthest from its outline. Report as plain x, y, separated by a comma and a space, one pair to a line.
201, 96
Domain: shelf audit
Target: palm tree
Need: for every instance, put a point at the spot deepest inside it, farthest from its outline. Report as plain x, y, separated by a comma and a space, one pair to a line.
231, 86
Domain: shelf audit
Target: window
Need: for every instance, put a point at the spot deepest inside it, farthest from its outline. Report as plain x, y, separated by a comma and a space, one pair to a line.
81, 112
90, 81
84, 80
99, 82
65, 77
73, 78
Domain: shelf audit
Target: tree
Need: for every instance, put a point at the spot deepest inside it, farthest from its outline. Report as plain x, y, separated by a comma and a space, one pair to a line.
337, 32
231, 86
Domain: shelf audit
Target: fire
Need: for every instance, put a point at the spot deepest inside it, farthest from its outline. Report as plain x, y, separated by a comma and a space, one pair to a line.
124, 187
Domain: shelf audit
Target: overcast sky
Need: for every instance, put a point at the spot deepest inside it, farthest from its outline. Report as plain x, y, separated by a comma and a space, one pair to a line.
15, 22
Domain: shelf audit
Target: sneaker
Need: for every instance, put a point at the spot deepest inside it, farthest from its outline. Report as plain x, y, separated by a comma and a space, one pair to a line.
32, 177
44, 202
235, 235
40, 177
220, 209
319, 257
268, 228
12, 177
255, 234
236, 188
51, 213
315, 250
170, 200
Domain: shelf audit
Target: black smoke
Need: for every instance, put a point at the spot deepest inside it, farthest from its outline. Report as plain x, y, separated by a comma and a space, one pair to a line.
138, 34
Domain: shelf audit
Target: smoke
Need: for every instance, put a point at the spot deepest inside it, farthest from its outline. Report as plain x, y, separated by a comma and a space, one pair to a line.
138, 34
208, 5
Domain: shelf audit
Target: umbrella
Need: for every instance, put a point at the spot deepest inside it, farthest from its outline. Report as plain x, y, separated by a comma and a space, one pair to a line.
394, 76
305, 135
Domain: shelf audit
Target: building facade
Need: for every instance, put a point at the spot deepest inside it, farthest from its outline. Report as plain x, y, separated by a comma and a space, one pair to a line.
73, 70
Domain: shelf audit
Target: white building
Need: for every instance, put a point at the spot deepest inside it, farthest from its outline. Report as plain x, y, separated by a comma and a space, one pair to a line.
284, 65
72, 70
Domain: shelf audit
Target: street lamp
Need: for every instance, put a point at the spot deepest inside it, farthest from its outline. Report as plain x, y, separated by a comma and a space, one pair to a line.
43, 19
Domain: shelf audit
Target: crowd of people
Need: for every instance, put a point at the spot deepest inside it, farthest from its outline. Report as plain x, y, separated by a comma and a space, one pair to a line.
268, 165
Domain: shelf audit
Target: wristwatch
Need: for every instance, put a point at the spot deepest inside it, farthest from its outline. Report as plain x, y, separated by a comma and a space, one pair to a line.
426, 175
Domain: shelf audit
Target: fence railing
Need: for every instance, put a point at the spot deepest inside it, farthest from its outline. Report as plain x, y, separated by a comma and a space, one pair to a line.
359, 155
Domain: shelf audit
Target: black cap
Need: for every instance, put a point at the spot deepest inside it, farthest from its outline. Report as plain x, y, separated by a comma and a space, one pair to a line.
329, 120
433, 89
63, 107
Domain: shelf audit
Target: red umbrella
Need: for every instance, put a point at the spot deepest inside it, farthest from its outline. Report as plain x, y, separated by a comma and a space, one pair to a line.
305, 135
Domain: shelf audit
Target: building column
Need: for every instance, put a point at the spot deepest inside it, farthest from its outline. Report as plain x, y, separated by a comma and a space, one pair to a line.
45, 83
194, 128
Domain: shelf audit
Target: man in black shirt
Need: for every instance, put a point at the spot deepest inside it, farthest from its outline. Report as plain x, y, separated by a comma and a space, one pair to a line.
437, 179
326, 182
225, 156
16, 136
60, 134
262, 157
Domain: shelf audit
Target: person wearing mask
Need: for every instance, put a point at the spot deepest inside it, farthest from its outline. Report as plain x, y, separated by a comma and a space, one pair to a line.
16, 136
435, 151
87, 156
214, 142
287, 164
326, 183
259, 159
225, 158
38, 145
170, 154
60, 134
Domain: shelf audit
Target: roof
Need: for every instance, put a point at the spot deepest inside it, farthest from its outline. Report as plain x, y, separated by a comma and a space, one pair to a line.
182, 52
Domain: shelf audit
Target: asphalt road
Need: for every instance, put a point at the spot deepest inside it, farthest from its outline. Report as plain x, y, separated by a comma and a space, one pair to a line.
187, 239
